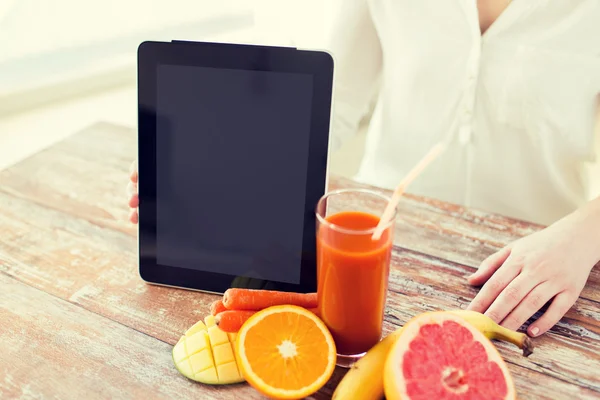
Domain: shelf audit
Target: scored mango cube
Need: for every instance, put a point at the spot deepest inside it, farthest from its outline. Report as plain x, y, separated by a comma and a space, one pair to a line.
197, 342
229, 369
223, 353
217, 336
179, 352
202, 361
210, 320
207, 376
206, 354
197, 327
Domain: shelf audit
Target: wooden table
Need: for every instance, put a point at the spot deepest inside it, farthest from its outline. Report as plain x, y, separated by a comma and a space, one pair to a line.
77, 322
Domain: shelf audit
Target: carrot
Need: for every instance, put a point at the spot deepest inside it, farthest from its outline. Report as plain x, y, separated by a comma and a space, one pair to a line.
251, 299
232, 320
217, 307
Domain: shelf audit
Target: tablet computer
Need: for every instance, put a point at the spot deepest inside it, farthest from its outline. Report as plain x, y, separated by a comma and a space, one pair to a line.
232, 159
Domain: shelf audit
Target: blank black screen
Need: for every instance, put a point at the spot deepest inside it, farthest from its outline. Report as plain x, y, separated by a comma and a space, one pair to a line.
232, 153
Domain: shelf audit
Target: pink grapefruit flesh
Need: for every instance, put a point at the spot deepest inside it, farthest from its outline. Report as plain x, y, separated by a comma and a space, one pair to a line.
442, 357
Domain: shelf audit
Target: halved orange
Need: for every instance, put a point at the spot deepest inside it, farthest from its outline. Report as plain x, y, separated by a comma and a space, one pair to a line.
286, 352
442, 356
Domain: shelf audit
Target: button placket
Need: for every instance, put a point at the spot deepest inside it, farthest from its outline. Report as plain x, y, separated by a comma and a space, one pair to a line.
465, 117
472, 75
465, 132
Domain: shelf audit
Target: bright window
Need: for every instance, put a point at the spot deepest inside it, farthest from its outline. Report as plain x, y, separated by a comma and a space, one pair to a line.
52, 49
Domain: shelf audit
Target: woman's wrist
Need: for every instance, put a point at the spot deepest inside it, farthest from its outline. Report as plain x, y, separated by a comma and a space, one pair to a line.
587, 221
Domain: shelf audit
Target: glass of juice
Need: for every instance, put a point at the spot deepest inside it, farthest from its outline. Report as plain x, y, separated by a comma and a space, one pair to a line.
352, 269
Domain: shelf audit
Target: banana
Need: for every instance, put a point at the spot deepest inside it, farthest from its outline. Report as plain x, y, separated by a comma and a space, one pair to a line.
364, 380
492, 330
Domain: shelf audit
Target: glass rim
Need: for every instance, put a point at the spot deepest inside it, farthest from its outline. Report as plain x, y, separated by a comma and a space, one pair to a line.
341, 229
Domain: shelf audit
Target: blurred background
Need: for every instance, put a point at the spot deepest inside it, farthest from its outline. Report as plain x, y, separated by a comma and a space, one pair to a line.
67, 64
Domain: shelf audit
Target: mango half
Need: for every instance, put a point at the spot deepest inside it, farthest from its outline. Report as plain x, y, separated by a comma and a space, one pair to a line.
206, 354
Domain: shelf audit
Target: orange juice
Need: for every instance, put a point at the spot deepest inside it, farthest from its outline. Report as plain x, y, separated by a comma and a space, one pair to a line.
352, 276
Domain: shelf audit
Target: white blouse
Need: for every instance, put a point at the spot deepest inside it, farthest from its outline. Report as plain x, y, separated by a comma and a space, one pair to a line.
518, 102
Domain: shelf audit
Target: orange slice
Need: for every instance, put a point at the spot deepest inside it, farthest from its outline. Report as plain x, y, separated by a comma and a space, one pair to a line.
285, 352
442, 356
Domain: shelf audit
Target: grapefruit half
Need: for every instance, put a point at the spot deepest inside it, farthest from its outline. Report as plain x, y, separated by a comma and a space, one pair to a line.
440, 356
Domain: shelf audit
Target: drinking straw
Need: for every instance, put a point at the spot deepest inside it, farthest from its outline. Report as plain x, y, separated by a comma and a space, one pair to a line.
401, 188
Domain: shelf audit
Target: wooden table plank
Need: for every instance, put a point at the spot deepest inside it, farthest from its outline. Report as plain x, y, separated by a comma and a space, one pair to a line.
57, 178
52, 349
568, 353
63, 340
459, 234
118, 293
64, 231
110, 283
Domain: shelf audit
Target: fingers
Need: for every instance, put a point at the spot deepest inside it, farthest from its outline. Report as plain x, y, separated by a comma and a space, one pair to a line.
511, 296
494, 286
132, 189
559, 307
134, 201
489, 266
133, 172
531, 304
133, 216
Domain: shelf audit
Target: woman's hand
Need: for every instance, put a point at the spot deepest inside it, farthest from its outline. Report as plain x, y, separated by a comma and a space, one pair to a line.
132, 191
551, 265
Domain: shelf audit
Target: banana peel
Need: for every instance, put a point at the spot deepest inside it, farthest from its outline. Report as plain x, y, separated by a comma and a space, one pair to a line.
492, 330
364, 380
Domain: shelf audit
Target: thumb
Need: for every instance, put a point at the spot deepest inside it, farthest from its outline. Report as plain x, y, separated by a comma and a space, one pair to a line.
489, 266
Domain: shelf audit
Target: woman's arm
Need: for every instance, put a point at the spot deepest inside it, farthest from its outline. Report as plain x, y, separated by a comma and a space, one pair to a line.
356, 49
550, 266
